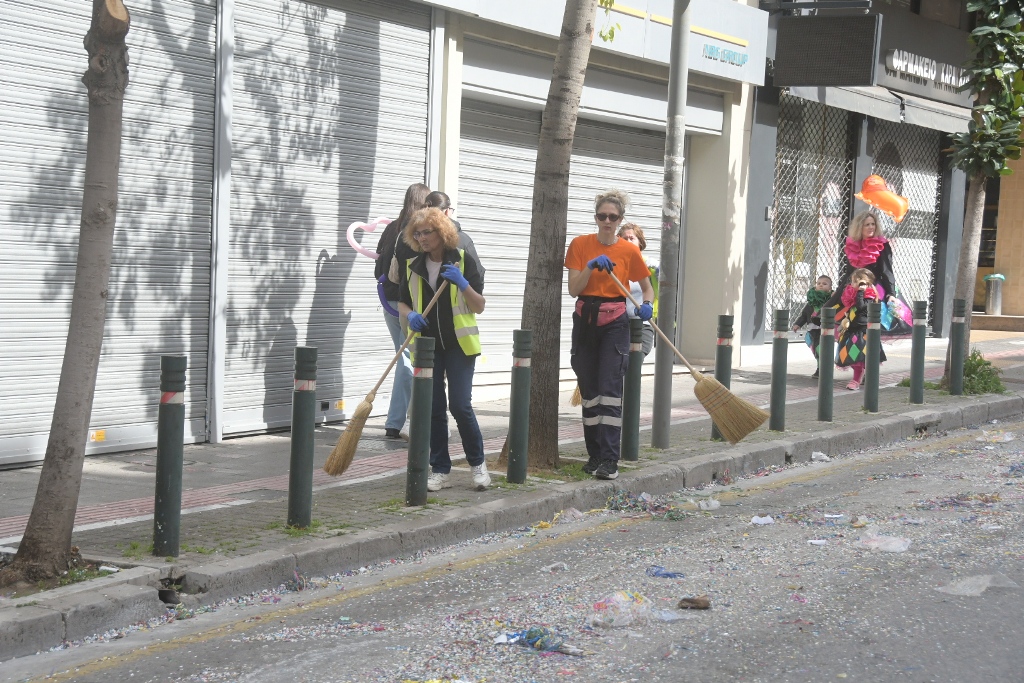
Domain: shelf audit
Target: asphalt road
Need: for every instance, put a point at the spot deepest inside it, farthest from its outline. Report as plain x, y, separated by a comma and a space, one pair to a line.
783, 609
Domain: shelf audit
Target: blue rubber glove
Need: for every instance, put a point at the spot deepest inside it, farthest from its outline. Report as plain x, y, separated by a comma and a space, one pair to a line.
645, 312
602, 262
452, 274
417, 322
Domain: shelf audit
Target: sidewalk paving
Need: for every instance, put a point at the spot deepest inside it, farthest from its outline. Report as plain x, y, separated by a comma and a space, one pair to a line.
233, 536
222, 481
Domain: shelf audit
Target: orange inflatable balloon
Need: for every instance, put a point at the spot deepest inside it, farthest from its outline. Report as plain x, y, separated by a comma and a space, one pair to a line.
876, 193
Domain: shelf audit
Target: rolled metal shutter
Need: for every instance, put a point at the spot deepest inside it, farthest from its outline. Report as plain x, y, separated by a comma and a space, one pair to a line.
159, 287
497, 155
498, 151
329, 127
607, 156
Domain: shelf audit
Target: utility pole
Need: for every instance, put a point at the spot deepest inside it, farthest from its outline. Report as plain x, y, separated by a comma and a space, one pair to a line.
673, 241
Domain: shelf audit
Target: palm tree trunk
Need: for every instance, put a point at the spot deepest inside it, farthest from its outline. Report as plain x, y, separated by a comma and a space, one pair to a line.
542, 300
46, 550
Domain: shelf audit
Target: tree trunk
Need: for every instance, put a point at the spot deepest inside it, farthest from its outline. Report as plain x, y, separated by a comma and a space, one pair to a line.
542, 300
45, 551
967, 269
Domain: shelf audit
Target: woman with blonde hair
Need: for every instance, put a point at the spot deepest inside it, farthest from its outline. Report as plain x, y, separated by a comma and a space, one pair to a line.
867, 247
452, 324
600, 327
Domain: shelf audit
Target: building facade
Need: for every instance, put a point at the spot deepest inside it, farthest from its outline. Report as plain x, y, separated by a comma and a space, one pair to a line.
849, 96
257, 131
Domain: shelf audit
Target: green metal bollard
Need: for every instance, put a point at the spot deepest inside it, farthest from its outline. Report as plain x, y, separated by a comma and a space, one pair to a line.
917, 352
519, 410
957, 346
630, 448
826, 364
419, 422
873, 357
170, 446
300, 470
780, 366
723, 362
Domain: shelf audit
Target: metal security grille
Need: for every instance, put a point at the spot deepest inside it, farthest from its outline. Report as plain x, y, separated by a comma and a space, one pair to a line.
813, 173
908, 157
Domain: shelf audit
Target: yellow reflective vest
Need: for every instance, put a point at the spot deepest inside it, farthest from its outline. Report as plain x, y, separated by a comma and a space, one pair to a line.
464, 320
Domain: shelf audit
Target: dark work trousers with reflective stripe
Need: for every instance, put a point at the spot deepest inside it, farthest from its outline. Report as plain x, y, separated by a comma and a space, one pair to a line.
599, 359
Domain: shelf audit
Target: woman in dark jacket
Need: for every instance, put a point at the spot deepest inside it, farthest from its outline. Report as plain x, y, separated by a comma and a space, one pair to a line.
866, 247
452, 324
401, 389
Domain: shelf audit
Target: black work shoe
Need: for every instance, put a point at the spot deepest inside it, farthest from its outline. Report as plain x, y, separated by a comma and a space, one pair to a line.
591, 466
607, 470
815, 375
390, 433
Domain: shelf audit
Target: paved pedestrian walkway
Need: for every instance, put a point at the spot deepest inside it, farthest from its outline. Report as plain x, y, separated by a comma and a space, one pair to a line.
235, 496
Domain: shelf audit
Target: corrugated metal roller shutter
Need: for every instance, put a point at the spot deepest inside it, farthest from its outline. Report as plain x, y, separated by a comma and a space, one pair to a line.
497, 153
606, 156
159, 290
329, 127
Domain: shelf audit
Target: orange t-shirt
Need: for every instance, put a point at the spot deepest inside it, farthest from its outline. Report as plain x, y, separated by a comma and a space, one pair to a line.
629, 264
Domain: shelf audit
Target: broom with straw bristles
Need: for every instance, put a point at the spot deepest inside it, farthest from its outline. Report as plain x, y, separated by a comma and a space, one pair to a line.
733, 416
576, 399
341, 457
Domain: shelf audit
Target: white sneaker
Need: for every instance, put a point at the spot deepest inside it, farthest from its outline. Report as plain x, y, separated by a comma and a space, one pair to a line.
481, 480
437, 481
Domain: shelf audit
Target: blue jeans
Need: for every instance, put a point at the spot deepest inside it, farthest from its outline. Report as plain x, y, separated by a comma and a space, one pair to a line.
401, 389
458, 368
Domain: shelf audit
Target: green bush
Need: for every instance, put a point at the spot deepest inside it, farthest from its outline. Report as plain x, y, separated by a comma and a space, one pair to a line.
980, 376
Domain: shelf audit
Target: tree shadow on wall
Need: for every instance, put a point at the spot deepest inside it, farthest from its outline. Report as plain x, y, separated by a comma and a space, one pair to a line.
158, 299
302, 171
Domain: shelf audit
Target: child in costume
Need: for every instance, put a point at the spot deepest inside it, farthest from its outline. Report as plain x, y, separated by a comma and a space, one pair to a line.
811, 315
852, 323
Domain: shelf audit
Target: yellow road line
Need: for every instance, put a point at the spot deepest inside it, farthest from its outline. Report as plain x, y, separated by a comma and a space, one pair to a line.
242, 625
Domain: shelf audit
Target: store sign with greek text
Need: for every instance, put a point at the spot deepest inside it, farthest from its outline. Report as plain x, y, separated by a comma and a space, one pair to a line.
922, 57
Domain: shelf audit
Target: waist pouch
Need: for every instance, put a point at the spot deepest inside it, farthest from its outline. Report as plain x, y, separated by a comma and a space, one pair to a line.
597, 311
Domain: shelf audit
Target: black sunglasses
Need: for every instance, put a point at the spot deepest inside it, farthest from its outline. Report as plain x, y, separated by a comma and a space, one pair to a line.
613, 217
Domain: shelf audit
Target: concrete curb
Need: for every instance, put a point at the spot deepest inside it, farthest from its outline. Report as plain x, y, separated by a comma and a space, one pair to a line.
130, 596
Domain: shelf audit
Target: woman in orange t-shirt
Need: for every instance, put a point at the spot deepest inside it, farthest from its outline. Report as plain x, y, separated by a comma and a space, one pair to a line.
600, 327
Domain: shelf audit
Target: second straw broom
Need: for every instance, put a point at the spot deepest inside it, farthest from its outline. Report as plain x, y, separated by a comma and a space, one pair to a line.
341, 457
733, 416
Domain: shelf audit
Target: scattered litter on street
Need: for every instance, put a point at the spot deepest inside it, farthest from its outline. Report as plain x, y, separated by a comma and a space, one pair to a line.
658, 507
567, 516
885, 544
707, 504
619, 609
699, 602
818, 456
973, 586
542, 639
556, 567
761, 521
996, 436
659, 572
818, 541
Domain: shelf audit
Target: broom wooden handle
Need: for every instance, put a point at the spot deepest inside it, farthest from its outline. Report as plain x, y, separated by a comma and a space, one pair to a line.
693, 371
408, 340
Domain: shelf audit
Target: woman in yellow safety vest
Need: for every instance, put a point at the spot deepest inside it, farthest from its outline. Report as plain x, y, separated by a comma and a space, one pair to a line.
452, 324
